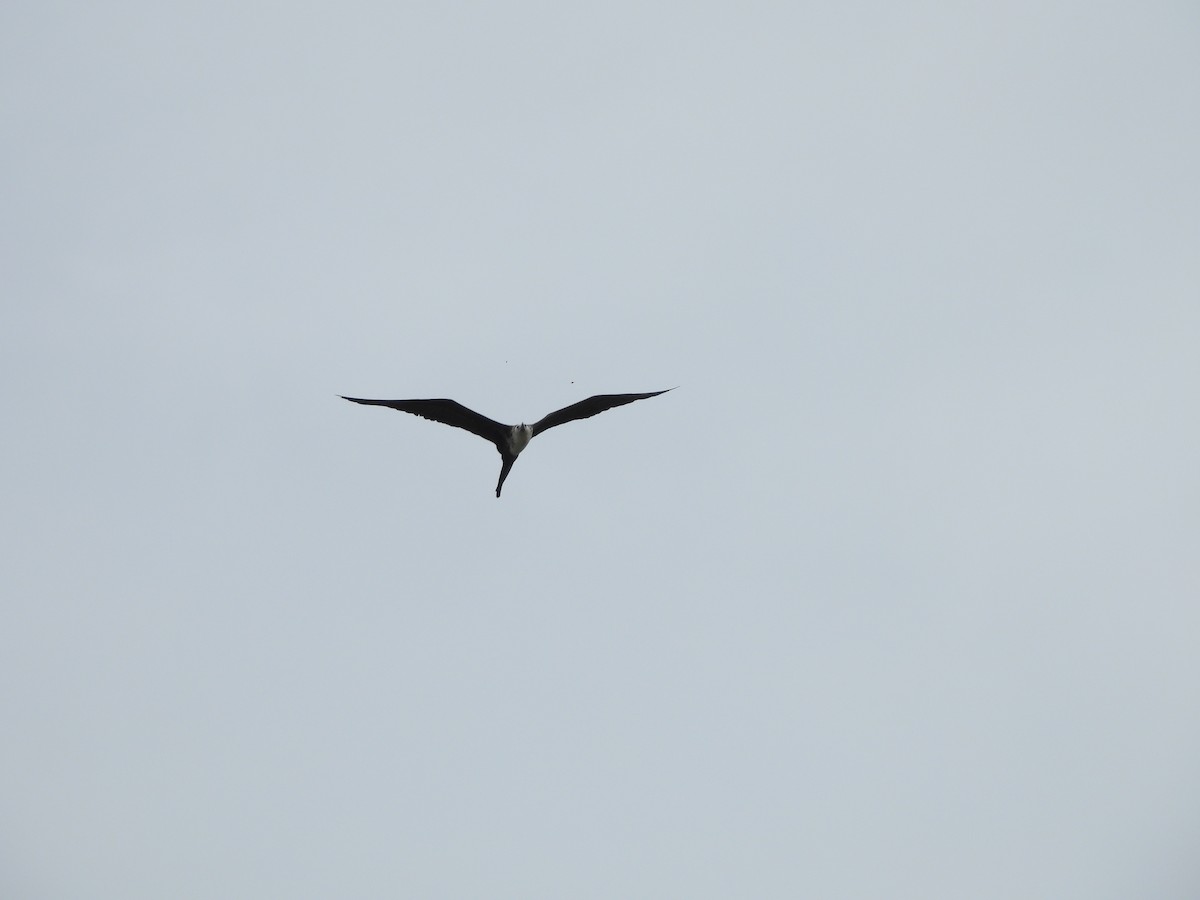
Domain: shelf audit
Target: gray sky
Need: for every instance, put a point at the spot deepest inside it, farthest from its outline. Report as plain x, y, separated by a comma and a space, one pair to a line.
896, 596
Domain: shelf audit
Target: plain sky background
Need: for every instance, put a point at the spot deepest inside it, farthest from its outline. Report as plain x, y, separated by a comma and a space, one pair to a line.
898, 596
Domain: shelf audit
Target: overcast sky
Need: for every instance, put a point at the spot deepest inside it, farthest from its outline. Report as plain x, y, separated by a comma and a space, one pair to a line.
897, 596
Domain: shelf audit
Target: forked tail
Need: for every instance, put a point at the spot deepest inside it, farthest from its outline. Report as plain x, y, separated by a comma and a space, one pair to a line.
504, 467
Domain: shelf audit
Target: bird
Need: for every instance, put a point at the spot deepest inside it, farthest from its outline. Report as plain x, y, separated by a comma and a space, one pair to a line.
510, 440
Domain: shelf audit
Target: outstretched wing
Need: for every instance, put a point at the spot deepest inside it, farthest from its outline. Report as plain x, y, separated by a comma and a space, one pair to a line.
587, 408
448, 412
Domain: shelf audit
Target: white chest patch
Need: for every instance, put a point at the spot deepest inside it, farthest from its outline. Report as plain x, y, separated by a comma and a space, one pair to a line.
519, 437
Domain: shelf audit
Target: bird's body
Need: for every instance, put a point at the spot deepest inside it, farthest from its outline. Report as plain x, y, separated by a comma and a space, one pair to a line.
510, 440
519, 437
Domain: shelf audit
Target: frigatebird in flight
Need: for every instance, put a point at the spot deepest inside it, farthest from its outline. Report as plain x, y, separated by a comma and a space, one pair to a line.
510, 440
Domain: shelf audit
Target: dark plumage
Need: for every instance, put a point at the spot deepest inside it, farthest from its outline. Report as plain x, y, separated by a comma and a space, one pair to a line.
510, 440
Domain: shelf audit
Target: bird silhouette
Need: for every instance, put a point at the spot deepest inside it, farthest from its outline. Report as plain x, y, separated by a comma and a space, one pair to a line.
510, 440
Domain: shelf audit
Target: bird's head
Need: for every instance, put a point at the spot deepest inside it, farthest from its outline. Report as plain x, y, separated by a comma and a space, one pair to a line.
521, 436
